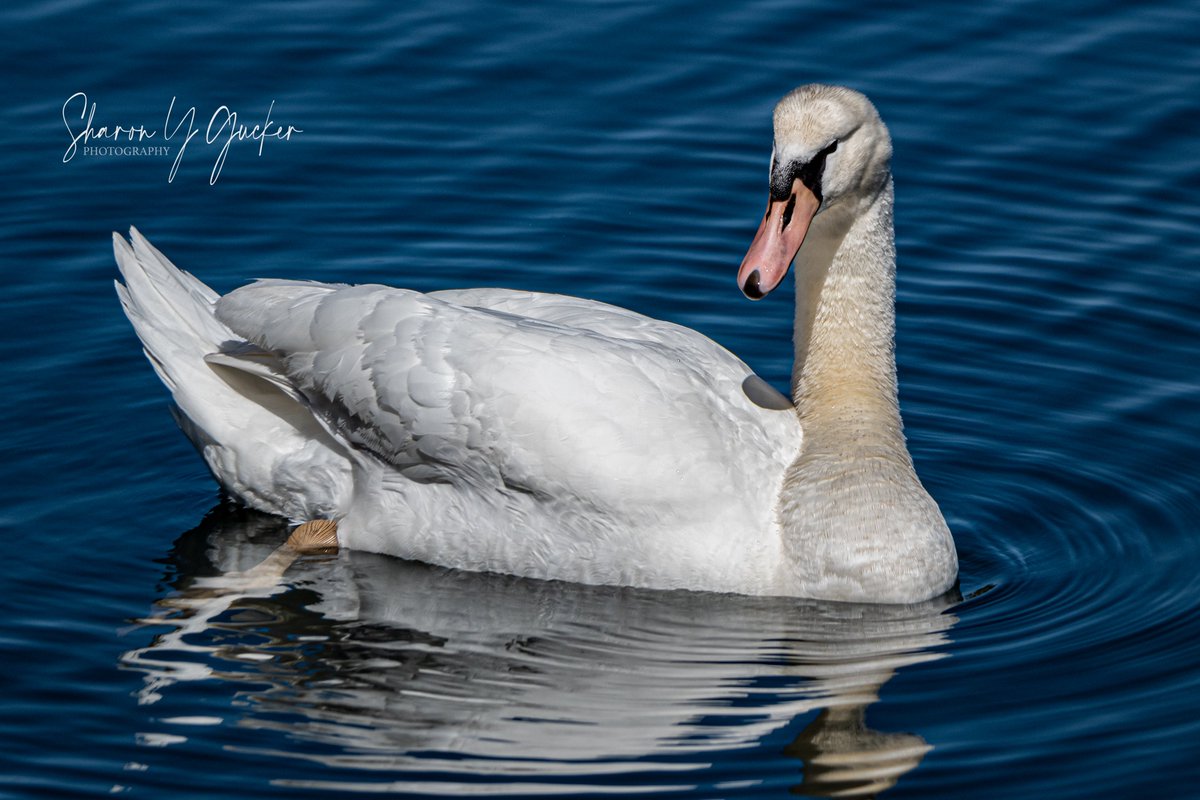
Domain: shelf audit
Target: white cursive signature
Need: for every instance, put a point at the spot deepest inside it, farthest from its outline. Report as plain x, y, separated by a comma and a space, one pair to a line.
223, 130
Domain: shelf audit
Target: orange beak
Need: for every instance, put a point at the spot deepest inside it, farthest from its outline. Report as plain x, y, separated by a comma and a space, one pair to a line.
778, 240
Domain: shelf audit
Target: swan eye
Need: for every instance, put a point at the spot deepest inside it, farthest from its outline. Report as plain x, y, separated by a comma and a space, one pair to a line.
809, 173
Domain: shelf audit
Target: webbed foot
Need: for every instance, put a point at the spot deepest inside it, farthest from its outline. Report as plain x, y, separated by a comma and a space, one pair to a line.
315, 536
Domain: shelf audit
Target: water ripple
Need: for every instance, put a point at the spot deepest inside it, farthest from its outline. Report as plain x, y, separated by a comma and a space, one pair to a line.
1047, 339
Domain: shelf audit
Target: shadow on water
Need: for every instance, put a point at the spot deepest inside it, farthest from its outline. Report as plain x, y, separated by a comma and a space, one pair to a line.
388, 675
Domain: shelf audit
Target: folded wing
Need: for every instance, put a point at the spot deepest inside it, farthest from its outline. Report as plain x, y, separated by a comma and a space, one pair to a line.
519, 392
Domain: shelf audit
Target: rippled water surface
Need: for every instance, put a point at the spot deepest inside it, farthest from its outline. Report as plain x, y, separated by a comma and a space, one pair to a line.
1046, 168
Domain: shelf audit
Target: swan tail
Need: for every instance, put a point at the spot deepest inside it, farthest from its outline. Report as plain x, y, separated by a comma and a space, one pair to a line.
170, 310
260, 442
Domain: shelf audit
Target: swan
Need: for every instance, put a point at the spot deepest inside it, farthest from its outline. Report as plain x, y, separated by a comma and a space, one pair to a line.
558, 438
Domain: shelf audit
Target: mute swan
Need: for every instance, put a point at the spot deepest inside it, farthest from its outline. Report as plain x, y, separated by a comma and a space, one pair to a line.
559, 438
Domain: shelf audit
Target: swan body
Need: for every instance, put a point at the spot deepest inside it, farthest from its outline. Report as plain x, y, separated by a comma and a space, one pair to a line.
560, 438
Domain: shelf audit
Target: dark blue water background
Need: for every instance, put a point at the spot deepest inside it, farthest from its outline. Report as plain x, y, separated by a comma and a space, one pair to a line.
1047, 168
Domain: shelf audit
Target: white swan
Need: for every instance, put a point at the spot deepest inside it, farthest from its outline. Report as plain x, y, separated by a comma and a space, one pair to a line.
560, 438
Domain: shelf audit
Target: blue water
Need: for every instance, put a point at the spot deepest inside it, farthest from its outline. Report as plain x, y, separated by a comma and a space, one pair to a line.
1047, 169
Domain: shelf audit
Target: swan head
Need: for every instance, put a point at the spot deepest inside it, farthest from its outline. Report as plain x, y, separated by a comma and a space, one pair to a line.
831, 152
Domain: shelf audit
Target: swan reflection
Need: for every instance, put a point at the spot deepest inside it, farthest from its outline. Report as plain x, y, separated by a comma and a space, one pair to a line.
391, 668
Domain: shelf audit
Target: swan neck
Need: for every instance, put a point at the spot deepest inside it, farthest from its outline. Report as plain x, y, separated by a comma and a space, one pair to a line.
856, 522
845, 367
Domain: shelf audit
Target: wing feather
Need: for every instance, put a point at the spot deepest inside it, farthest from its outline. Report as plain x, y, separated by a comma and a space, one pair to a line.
515, 391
